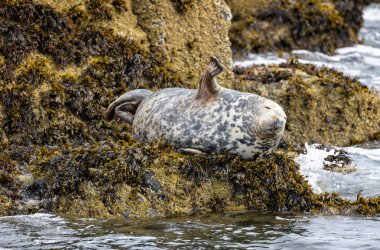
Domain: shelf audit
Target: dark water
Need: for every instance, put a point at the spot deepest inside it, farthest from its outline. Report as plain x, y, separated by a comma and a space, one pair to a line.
232, 231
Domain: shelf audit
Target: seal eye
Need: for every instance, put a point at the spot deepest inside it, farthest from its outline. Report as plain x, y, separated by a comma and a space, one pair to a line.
267, 107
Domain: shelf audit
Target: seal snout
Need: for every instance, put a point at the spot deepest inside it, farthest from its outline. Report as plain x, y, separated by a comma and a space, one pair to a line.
278, 124
273, 119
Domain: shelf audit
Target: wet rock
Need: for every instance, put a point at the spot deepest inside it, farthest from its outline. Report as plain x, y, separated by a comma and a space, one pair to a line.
186, 33
260, 26
150, 182
339, 162
37, 189
322, 105
333, 204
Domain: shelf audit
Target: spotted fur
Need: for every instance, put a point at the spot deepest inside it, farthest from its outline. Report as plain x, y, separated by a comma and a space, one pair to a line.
221, 120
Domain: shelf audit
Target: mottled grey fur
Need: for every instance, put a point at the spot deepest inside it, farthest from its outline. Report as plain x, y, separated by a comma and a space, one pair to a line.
210, 119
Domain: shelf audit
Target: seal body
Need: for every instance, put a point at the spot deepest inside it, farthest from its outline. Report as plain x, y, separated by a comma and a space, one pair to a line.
234, 122
208, 119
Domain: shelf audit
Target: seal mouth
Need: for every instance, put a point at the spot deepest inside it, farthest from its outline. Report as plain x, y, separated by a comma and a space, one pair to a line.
272, 127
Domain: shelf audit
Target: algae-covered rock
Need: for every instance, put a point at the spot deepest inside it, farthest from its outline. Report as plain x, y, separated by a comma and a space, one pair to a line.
333, 204
261, 26
128, 179
63, 62
186, 33
322, 105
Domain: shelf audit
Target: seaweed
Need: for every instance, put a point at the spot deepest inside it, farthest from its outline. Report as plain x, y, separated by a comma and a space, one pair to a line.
327, 203
287, 25
59, 71
183, 5
336, 109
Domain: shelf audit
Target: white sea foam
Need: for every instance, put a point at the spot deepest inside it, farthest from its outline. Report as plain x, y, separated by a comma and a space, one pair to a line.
366, 179
371, 13
266, 59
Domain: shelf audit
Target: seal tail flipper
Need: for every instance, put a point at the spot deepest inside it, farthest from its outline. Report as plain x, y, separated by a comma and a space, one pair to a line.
126, 105
208, 87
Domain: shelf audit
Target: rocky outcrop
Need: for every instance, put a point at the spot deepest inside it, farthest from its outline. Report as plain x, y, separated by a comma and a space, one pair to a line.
322, 105
186, 33
128, 179
261, 26
63, 62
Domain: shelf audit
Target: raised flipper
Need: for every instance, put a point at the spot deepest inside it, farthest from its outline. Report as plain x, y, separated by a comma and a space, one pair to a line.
126, 105
190, 151
208, 87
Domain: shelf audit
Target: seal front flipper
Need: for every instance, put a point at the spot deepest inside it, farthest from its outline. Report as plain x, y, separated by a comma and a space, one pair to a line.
208, 87
126, 111
126, 105
190, 151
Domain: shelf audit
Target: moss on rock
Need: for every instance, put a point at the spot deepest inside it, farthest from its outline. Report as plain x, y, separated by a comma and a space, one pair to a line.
125, 178
333, 204
60, 66
261, 26
322, 104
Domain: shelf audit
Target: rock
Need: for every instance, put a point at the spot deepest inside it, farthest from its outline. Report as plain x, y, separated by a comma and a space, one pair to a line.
186, 33
333, 204
261, 26
322, 105
339, 161
98, 181
63, 62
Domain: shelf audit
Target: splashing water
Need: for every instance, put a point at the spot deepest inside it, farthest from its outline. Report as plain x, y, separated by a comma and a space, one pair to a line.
365, 179
229, 231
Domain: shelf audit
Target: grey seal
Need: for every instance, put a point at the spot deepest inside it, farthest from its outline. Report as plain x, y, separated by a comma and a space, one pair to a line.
208, 119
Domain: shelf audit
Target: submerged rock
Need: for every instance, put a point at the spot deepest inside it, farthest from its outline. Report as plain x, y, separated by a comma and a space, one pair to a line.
339, 161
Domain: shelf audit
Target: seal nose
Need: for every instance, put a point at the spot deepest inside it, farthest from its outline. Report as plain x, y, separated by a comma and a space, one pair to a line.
278, 124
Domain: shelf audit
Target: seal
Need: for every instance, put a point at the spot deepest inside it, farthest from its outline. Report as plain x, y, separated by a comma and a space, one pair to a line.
208, 119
